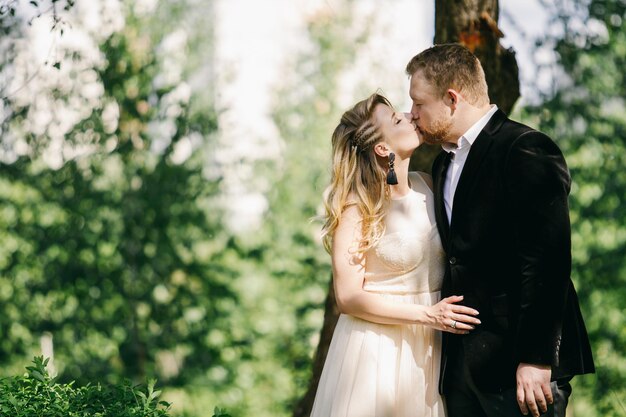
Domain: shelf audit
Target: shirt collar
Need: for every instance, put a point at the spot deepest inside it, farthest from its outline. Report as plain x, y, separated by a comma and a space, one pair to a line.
470, 136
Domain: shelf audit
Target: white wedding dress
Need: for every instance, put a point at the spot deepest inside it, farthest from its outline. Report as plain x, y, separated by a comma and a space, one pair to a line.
377, 370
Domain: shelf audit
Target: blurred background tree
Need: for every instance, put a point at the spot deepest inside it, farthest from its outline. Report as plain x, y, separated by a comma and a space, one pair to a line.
112, 254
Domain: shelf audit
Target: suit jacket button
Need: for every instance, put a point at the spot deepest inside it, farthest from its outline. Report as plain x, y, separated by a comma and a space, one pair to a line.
452, 260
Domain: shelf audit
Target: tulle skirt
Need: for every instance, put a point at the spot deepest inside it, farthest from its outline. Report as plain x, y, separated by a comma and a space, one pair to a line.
378, 370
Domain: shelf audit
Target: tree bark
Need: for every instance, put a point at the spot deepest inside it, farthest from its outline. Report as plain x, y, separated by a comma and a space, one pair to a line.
472, 23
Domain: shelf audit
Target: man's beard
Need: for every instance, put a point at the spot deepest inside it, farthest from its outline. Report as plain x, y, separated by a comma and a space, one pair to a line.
438, 133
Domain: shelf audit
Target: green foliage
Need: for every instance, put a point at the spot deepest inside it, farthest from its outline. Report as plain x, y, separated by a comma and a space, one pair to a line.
117, 254
587, 116
121, 256
218, 412
36, 394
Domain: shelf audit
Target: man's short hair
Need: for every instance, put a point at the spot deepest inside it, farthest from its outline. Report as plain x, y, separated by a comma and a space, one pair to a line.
451, 65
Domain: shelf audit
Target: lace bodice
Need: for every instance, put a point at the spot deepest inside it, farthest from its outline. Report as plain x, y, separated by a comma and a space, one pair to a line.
409, 257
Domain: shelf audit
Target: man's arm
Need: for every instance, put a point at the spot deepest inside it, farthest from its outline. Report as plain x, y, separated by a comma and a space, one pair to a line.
538, 184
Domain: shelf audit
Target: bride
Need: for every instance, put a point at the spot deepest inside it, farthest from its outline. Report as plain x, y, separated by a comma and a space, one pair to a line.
388, 265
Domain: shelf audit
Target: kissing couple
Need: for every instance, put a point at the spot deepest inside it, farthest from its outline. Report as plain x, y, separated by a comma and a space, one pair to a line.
455, 289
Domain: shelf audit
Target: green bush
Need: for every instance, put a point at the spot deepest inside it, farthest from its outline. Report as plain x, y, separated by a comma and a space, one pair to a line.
37, 394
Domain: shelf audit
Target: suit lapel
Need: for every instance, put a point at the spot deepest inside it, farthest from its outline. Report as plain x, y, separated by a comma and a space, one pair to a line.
476, 155
472, 164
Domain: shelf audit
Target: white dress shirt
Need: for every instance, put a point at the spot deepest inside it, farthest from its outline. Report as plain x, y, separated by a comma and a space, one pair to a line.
459, 156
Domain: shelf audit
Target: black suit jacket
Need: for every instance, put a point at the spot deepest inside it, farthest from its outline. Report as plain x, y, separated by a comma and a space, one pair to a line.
508, 252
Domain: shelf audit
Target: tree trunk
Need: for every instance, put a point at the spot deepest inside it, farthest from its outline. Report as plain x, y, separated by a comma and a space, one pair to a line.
331, 314
474, 24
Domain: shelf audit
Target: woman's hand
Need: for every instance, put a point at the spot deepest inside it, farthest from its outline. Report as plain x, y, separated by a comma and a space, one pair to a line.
450, 317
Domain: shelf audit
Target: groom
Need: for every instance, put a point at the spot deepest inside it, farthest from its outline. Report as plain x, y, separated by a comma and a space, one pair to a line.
501, 192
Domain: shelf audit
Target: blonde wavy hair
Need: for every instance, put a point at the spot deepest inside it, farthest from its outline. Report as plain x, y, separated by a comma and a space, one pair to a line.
357, 177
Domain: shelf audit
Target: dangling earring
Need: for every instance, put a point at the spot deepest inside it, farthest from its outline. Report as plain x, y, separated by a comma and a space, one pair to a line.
391, 175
